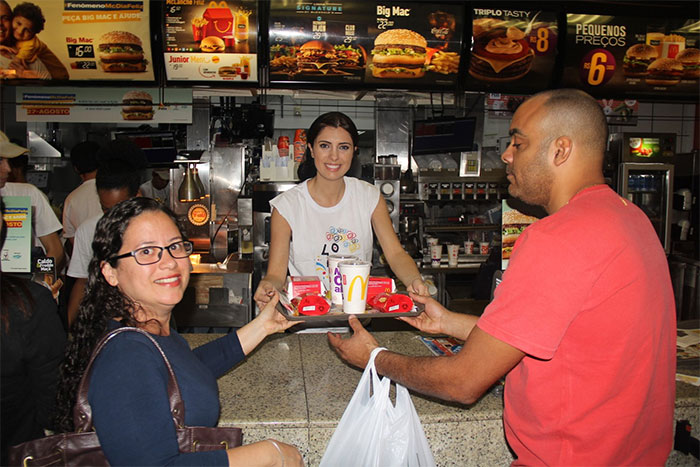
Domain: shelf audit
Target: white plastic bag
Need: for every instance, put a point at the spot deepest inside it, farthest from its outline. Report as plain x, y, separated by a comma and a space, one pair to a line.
373, 432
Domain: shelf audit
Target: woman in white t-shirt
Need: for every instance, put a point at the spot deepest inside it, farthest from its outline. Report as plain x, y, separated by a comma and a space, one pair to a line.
329, 213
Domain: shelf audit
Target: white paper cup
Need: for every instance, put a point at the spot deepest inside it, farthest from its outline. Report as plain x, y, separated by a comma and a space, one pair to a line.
484, 248
355, 278
452, 254
335, 279
468, 247
431, 241
435, 255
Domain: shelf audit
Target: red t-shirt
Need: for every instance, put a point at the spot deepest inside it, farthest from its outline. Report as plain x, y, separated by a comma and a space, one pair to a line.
588, 297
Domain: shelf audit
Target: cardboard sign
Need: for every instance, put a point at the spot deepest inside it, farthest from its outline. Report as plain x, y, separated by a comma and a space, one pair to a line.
16, 252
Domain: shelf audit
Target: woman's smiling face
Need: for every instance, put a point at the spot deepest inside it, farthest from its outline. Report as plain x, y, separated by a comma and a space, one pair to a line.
156, 287
332, 151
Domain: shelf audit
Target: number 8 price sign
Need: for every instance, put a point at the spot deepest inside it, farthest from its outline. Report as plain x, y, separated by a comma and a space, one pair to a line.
597, 67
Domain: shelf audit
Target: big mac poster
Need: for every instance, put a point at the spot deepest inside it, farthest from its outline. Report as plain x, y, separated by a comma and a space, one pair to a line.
211, 40
513, 50
614, 55
75, 40
388, 44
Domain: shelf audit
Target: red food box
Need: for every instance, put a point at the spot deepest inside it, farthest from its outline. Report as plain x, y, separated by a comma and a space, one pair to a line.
379, 285
311, 304
391, 303
300, 285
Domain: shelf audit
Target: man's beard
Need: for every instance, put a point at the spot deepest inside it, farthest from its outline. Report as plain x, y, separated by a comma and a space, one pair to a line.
535, 184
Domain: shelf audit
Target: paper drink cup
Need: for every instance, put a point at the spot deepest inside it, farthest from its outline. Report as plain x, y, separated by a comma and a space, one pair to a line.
431, 241
468, 247
435, 255
452, 254
484, 248
355, 278
336, 280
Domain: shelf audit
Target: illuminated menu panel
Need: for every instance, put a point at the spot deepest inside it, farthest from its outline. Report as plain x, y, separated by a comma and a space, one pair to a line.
355, 43
513, 50
609, 55
83, 40
211, 41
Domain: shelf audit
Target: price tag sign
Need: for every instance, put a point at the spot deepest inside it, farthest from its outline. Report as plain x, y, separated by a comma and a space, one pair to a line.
81, 51
597, 67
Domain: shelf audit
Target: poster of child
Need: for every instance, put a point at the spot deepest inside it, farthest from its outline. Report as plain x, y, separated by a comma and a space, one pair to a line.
22, 53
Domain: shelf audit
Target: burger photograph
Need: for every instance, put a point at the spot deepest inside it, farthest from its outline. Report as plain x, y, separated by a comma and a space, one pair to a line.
637, 60
211, 44
664, 72
317, 58
690, 59
500, 52
121, 52
514, 222
137, 105
399, 53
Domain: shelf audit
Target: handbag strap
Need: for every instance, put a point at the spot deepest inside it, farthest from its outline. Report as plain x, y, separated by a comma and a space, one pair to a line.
82, 412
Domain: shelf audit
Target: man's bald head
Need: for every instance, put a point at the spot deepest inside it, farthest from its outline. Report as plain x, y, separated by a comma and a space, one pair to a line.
573, 113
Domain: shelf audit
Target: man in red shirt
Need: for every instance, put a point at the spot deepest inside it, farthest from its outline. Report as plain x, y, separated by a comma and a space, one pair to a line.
583, 323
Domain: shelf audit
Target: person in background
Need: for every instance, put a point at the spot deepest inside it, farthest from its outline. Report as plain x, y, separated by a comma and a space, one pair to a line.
157, 186
18, 168
583, 323
32, 341
118, 178
139, 272
45, 224
330, 213
82, 203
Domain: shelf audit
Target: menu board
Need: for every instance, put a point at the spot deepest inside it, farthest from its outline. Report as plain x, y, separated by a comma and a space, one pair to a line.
210, 41
104, 105
608, 55
383, 44
85, 40
513, 50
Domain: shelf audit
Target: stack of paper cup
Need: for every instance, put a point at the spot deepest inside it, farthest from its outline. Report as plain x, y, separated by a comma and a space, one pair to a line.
355, 278
435, 255
336, 281
452, 254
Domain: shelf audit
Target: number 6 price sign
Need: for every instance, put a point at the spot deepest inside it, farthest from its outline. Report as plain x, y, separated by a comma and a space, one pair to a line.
597, 67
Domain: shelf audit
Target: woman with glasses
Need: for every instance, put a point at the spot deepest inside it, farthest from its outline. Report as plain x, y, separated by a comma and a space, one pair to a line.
138, 273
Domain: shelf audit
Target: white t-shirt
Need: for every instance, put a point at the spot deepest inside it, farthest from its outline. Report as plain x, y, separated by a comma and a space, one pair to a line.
44, 220
317, 231
81, 204
149, 191
82, 248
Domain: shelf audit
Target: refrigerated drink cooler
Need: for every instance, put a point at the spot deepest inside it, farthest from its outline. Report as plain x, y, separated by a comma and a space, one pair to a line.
650, 186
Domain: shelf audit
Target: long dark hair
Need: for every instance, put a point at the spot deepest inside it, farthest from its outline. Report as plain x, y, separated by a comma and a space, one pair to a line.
307, 168
102, 302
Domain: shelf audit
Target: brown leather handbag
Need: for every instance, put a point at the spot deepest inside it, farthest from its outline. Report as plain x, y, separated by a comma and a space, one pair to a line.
83, 446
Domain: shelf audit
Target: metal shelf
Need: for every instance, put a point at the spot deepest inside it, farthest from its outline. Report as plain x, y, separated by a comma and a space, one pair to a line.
460, 227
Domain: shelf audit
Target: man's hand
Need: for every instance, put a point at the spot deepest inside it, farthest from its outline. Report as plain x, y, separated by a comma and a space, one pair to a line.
432, 320
266, 290
418, 287
354, 350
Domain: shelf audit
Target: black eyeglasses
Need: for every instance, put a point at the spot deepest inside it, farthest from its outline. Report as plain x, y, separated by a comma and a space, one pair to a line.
152, 254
